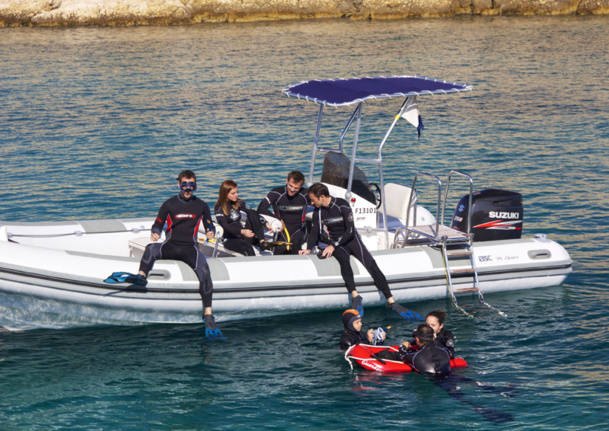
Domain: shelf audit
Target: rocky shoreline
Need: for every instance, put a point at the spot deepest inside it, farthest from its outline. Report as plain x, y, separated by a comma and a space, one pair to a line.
39, 13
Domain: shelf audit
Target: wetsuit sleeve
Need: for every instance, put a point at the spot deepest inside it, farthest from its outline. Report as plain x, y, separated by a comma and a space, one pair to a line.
266, 203
315, 228
409, 357
448, 343
348, 339
349, 226
232, 228
161, 218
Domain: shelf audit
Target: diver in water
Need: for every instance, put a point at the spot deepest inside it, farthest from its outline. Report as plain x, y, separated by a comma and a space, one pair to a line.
352, 335
429, 359
433, 360
442, 337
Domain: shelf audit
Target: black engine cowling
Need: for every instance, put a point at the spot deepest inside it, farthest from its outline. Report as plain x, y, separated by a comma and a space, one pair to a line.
496, 214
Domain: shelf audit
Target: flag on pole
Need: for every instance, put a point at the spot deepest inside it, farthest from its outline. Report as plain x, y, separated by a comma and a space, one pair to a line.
413, 116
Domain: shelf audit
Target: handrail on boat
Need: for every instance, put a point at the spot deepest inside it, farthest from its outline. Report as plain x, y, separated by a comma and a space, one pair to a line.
410, 204
355, 120
341, 139
471, 192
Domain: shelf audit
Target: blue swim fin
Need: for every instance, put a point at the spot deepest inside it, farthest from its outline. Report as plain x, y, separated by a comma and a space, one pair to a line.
126, 277
410, 315
212, 332
117, 277
356, 304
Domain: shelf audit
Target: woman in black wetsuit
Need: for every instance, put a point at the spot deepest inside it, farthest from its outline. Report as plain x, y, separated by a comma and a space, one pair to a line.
443, 337
239, 235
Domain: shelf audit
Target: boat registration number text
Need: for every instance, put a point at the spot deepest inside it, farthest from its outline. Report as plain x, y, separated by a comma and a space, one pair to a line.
364, 210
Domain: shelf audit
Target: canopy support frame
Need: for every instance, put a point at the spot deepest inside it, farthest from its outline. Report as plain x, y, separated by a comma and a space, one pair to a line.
356, 116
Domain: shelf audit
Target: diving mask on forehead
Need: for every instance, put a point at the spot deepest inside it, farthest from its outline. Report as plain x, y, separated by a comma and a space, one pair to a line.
188, 187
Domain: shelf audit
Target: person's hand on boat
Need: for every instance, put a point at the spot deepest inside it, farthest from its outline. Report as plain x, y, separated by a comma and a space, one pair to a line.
247, 233
154, 236
303, 252
328, 251
406, 345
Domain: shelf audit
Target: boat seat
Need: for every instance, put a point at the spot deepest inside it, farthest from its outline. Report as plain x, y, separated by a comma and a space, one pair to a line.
397, 199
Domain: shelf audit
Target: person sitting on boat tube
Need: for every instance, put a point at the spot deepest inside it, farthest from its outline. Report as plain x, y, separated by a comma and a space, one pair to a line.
344, 241
289, 204
352, 335
183, 214
228, 209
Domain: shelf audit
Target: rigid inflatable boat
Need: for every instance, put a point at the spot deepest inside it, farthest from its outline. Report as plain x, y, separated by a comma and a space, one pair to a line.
51, 273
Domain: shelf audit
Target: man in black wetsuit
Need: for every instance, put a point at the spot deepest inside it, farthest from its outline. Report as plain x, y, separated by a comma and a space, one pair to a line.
433, 360
430, 359
183, 214
289, 205
343, 242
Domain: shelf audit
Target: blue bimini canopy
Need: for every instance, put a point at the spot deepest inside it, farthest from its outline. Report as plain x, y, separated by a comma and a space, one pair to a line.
345, 92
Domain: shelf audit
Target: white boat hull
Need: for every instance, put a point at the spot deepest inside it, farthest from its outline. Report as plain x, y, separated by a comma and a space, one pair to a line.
51, 276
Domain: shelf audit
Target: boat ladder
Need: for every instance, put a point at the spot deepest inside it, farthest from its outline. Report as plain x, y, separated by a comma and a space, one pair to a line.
456, 246
463, 256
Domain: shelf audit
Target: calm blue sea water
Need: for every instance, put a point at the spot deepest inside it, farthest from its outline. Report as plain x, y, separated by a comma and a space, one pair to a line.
97, 122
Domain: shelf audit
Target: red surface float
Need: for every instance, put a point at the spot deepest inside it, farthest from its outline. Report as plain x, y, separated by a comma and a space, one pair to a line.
363, 354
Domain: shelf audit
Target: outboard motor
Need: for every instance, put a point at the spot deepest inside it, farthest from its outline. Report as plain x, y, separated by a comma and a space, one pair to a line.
496, 215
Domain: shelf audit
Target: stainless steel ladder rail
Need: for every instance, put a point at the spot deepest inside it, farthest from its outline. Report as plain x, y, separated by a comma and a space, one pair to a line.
471, 192
433, 237
449, 274
468, 252
451, 247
